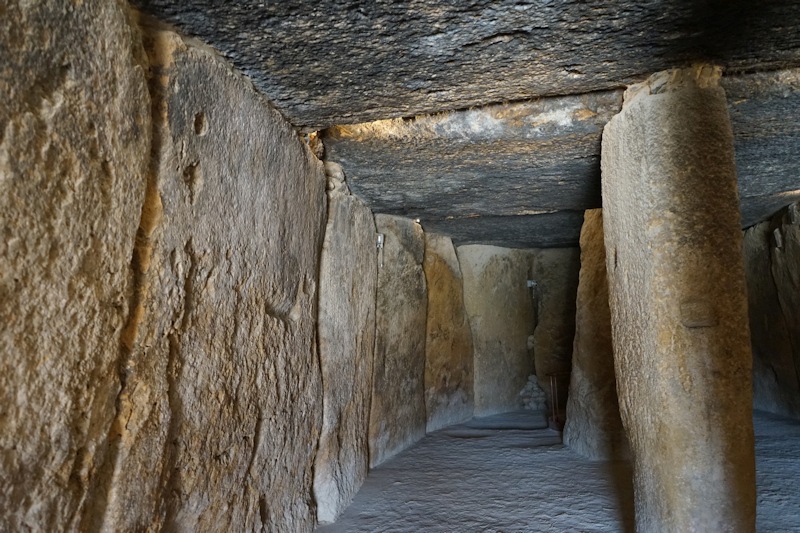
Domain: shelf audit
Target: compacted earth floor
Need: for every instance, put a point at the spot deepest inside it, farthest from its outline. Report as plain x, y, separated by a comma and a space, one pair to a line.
509, 473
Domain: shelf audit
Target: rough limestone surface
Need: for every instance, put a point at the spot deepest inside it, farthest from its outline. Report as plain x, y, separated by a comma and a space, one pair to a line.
74, 146
501, 316
593, 427
555, 274
679, 304
449, 396
219, 417
772, 252
397, 414
347, 285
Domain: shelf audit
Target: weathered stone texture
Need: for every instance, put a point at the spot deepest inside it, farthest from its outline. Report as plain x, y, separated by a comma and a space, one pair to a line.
347, 285
350, 62
555, 272
461, 172
397, 415
219, 417
764, 140
74, 145
449, 395
558, 229
501, 317
593, 427
678, 304
478, 161
772, 255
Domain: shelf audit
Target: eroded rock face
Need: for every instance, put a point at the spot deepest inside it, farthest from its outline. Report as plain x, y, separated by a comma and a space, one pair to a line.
74, 145
678, 304
555, 272
449, 395
593, 427
771, 258
407, 58
220, 413
397, 416
500, 311
348, 280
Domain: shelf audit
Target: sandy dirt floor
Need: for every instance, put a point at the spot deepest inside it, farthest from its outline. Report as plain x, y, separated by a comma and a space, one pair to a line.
510, 474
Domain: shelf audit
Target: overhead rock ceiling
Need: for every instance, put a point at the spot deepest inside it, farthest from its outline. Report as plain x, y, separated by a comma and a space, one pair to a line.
515, 174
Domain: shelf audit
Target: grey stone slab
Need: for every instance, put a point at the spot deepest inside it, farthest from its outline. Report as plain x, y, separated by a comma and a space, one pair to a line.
460, 171
508, 159
343, 62
548, 230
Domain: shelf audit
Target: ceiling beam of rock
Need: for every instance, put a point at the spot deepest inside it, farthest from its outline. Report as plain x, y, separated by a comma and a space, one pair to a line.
347, 61
521, 174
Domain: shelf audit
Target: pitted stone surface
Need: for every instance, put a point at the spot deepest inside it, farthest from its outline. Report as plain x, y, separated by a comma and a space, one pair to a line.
74, 148
397, 415
449, 395
219, 419
555, 274
347, 285
678, 304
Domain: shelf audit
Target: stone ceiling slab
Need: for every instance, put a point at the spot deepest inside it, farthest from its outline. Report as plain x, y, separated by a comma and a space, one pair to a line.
495, 174
347, 61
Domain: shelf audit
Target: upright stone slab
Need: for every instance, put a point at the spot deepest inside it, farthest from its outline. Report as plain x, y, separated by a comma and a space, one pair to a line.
678, 304
347, 284
555, 272
219, 418
449, 396
772, 256
593, 428
500, 311
74, 149
397, 415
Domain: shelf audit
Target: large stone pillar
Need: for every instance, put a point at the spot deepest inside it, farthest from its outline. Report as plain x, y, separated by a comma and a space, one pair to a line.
593, 427
678, 304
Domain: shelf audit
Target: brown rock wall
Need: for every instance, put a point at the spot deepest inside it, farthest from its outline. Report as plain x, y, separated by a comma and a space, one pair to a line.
555, 271
449, 395
397, 415
74, 145
501, 316
219, 417
593, 426
348, 281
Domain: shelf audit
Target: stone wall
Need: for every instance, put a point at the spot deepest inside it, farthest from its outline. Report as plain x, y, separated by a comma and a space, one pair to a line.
501, 316
449, 395
593, 425
555, 272
772, 255
347, 285
220, 365
74, 148
397, 416
159, 266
